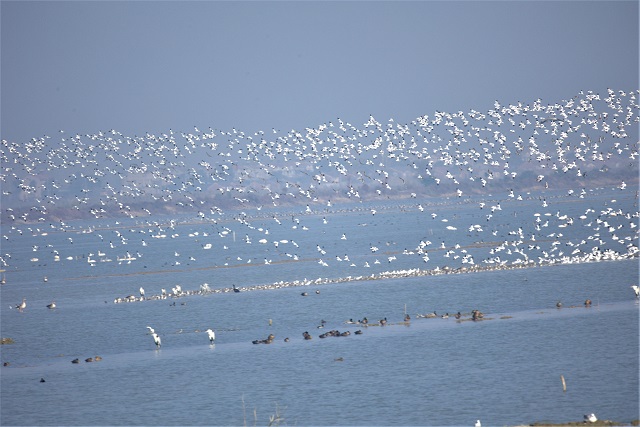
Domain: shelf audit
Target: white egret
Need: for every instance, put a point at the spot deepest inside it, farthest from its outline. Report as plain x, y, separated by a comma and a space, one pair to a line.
156, 339
212, 335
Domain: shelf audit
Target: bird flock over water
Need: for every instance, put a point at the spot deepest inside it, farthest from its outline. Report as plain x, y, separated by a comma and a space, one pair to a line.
236, 181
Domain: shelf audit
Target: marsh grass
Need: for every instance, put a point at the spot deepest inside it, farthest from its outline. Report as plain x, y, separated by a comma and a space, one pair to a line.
274, 420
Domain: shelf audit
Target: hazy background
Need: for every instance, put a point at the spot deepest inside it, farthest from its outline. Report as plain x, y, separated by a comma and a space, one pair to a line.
144, 66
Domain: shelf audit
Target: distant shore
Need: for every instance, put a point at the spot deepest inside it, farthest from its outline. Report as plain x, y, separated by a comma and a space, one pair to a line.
599, 423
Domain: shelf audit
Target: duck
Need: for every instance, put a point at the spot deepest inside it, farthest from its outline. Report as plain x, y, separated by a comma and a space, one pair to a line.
587, 303
268, 340
428, 315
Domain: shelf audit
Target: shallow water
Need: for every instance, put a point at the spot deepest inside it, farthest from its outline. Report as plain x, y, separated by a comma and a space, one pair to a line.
504, 370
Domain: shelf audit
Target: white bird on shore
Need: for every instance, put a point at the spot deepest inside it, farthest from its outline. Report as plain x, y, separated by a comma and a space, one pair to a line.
212, 335
636, 289
478, 423
591, 418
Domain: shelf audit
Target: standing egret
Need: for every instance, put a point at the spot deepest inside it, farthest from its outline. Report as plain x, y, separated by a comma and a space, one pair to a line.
156, 339
141, 292
636, 289
212, 335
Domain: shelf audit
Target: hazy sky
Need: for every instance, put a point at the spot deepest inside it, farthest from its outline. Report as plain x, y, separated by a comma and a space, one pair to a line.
85, 66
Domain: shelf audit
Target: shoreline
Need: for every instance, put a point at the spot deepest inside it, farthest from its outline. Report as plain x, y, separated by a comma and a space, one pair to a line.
599, 423
394, 274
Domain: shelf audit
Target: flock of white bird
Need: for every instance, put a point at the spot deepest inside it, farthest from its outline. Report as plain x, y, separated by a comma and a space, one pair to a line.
505, 154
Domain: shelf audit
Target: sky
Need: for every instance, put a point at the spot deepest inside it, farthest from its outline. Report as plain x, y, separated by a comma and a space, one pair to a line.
151, 66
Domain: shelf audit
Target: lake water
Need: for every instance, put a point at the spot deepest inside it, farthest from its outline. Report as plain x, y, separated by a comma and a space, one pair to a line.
503, 370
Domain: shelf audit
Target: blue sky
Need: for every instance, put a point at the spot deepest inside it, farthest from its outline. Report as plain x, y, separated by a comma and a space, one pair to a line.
150, 66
